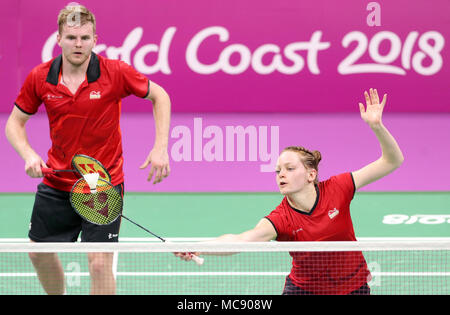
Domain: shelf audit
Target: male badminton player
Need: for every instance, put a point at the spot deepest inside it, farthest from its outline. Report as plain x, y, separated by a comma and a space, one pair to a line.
82, 94
320, 211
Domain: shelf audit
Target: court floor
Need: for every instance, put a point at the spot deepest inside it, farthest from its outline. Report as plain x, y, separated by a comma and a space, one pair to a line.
198, 216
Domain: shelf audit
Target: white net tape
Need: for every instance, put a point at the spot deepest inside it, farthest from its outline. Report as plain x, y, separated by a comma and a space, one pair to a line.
395, 267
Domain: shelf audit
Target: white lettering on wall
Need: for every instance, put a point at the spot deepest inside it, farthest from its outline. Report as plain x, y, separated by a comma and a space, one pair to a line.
124, 52
254, 60
288, 60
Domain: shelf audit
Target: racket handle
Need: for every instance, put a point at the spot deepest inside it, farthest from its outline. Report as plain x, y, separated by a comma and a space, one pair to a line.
198, 260
46, 170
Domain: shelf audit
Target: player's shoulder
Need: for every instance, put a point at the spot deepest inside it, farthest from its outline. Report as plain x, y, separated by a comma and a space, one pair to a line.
337, 179
42, 69
114, 67
337, 184
114, 64
283, 206
39, 74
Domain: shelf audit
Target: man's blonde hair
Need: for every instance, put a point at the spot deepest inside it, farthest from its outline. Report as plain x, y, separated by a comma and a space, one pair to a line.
75, 14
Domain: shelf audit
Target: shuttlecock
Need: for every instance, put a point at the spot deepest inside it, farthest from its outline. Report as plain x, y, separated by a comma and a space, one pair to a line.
92, 179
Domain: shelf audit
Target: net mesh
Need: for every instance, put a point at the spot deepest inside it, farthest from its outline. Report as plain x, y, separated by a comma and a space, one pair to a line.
399, 268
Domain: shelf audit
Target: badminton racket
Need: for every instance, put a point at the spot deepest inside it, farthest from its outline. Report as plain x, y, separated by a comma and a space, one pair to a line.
83, 164
103, 206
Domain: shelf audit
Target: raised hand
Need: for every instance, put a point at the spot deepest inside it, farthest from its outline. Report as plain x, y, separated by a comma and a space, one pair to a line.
373, 111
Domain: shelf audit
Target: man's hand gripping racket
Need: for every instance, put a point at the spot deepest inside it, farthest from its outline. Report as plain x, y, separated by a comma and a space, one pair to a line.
83, 164
103, 205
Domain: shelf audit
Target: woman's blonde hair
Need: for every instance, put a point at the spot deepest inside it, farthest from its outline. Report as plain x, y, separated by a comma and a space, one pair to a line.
75, 14
310, 159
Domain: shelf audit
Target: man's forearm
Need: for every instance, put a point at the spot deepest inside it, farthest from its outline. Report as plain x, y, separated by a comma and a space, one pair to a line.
161, 114
17, 137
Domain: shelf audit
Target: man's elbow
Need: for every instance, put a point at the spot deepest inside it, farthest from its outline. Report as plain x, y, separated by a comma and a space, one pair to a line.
162, 98
158, 95
9, 128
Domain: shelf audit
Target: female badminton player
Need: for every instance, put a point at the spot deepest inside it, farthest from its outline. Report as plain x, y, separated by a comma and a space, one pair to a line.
320, 211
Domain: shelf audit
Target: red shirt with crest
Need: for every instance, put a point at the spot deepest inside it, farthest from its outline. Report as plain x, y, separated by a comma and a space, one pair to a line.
86, 122
329, 220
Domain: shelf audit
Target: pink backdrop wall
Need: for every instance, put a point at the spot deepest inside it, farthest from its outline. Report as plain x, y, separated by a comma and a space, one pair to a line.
270, 67
344, 140
252, 56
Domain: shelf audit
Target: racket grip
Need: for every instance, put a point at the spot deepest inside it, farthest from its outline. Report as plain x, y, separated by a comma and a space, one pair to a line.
46, 170
198, 260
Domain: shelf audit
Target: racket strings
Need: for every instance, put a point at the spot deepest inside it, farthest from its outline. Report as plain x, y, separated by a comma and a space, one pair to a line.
87, 165
102, 207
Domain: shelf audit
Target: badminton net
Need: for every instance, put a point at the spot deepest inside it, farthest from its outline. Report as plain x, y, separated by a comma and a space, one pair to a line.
396, 267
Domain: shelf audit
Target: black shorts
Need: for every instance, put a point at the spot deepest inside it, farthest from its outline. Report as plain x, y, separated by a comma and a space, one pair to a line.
292, 289
54, 220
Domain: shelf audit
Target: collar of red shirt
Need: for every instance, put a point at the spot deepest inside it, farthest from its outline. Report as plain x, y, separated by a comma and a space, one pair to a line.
92, 73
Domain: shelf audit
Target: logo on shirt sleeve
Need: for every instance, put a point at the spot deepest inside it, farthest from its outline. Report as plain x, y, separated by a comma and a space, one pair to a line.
333, 213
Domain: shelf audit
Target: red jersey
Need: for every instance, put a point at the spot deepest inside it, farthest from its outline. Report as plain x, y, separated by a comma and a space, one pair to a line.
329, 220
86, 122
